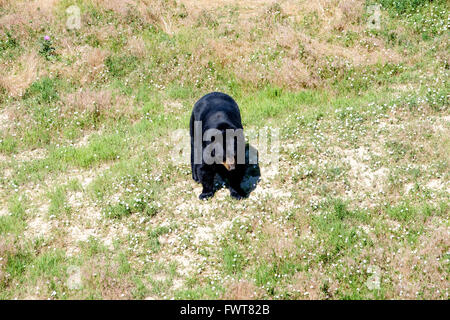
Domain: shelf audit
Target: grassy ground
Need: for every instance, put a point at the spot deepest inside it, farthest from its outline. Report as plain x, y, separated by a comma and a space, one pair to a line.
92, 204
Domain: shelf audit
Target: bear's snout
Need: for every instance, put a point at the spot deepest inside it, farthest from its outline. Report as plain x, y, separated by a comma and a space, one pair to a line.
229, 164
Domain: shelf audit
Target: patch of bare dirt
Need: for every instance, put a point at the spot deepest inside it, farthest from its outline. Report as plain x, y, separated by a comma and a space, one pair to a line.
40, 226
363, 177
30, 155
208, 234
188, 262
4, 120
439, 185
3, 210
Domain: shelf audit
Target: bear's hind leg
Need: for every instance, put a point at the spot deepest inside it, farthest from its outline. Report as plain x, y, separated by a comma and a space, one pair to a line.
193, 166
236, 191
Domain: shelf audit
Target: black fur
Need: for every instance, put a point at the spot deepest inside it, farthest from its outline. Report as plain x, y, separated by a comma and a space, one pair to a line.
216, 111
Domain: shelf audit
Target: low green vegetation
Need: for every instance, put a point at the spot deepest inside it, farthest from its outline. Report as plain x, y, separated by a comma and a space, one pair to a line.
93, 205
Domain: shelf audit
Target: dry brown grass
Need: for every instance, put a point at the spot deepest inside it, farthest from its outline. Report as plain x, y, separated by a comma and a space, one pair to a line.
427, 258
27, 14
99, 273
280, 241
158, 13
88, 100
7, 248
93, 63
296, 68
307, 284
120, 7
333, 14
303, 55
136, 46
347, 14
357, 55
240, 290
412, 270
89, 66
17, 79
351, 9
101, 103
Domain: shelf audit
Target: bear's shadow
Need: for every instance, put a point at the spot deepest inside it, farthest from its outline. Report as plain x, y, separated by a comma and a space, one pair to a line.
252, 174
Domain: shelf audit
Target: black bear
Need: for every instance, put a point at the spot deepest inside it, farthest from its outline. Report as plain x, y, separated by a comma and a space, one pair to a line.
217, 144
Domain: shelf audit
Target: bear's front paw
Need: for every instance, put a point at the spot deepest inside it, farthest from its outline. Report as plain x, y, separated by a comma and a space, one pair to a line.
205, 195
236, 195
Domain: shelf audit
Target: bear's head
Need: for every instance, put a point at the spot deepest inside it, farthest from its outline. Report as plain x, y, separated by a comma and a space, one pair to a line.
227, 145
